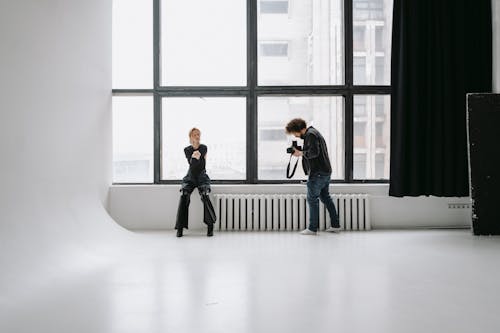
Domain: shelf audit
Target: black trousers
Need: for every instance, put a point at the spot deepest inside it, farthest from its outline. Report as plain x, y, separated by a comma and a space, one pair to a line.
189, 183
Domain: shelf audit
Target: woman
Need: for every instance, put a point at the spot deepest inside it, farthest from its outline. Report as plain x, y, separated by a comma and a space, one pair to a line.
196, 177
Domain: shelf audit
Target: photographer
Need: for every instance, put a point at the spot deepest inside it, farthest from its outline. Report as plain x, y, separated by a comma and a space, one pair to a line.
316, 164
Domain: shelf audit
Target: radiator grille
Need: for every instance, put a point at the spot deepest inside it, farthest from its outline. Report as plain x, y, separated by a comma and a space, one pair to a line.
288, 212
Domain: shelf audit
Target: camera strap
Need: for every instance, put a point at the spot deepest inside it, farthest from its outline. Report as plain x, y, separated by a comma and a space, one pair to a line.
288, 175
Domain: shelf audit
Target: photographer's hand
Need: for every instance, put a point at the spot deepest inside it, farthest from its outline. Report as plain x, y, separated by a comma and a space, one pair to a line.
297, 153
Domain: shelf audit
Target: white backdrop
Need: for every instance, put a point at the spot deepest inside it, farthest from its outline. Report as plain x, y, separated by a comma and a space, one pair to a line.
55, 143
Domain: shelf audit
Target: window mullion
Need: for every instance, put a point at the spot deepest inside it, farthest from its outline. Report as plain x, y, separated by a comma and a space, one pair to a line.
156, 85
252, 144
349, 102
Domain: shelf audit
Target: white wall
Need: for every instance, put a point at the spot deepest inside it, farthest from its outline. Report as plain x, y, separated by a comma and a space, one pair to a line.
139, 207
55, 138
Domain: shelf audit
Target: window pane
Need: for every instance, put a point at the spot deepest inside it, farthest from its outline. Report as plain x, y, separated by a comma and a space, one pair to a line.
314, 32
371, 137
223, 129
132, 44
372, 60
324, 113
203, 42
133, 139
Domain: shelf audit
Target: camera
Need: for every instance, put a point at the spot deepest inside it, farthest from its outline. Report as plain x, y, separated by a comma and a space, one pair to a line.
294, 147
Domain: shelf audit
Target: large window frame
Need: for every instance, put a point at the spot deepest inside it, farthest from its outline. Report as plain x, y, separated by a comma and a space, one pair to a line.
251, 92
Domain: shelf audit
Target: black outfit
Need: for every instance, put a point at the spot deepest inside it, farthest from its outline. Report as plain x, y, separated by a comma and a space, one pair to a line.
315, 153
195, 178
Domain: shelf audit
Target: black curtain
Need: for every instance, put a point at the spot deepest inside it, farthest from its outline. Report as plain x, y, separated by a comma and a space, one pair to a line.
441, 50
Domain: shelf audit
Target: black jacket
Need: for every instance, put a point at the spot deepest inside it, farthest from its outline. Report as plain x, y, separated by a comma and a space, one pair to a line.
315, 158
196, 166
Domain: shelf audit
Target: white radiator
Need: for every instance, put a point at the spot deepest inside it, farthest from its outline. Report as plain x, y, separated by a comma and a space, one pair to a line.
288, 211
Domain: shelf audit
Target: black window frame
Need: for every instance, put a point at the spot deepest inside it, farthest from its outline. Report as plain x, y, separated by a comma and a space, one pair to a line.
252, 91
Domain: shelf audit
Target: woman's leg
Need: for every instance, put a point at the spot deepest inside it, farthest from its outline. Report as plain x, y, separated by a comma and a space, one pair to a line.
183, 209
209, 216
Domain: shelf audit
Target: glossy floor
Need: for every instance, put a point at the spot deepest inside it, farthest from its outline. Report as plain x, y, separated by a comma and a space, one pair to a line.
378, 281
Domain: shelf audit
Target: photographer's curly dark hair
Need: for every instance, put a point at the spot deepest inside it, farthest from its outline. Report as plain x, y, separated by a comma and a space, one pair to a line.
295, 125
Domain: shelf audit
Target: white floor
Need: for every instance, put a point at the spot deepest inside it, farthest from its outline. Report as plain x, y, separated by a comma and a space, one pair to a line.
377, 281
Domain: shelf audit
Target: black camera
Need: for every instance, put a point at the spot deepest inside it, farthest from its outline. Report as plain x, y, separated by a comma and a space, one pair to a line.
294, 147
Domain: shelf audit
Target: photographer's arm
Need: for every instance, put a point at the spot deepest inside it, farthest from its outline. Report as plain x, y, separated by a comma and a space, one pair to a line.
311, 147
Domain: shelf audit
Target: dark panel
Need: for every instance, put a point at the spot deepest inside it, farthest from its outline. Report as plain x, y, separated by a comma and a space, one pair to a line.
483, 113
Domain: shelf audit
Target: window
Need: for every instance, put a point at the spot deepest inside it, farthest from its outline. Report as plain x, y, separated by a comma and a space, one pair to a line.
221, 121
132, 44
324, 113
372, 58
133, 139
317, 40
371, 137
240, 75
203, 43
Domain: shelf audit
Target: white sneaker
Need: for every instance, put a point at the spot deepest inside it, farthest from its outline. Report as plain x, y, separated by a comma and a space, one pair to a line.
333, 229
307, 232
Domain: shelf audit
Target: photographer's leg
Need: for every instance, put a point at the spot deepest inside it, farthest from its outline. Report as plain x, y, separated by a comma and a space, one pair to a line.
313, 191
330, 206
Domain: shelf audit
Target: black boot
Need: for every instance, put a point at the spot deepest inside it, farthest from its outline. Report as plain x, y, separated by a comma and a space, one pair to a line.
210, 230
179, 232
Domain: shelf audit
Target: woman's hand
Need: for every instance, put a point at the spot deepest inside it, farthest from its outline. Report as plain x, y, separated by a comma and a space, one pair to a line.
196, 154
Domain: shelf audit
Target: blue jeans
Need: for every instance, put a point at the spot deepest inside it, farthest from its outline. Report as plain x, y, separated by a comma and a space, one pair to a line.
318, 187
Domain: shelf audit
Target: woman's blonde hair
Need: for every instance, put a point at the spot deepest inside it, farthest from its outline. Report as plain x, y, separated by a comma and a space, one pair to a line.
192, 130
